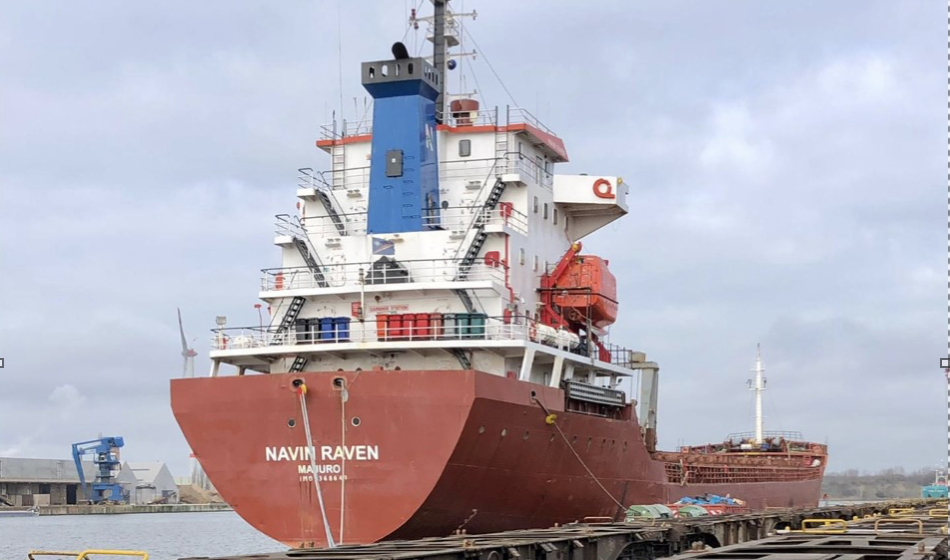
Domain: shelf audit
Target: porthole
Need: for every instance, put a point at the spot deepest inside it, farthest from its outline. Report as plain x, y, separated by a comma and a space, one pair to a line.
291, 423
504, 432
356, 421
481, 429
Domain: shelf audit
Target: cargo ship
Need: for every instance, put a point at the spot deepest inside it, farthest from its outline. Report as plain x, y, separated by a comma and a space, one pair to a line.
439, 354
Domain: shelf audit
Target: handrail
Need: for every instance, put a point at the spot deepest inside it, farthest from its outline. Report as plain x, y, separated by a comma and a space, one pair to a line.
451, 218
824, 526
477, 117
82, 555
438, 327
895, 520
338, 275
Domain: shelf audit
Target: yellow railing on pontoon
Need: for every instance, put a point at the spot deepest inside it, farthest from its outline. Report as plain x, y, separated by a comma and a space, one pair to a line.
83, 555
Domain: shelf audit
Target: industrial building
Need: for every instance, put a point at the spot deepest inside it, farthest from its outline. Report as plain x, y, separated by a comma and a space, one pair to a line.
41, 482
148, 482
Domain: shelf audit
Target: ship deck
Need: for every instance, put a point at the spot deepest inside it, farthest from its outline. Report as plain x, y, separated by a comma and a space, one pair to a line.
894, 530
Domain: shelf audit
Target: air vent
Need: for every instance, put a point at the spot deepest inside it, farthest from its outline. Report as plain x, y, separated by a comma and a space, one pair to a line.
594, 394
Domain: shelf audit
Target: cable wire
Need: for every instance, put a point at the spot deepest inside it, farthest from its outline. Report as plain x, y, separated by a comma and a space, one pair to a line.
302, 391
492, 68
552, 420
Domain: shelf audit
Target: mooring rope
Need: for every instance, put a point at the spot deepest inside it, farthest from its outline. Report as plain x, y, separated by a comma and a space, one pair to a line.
343, 396
302, 392
551, 419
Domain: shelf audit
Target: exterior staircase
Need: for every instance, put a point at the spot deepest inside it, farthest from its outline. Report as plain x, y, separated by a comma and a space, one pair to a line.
479, 235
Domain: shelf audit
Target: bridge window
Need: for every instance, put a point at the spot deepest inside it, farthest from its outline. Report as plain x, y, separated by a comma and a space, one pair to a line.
535, 205
545, 214
465, 148
555, 216
521, 256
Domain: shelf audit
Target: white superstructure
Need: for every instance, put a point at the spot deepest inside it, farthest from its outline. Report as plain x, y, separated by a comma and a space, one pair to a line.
506, 219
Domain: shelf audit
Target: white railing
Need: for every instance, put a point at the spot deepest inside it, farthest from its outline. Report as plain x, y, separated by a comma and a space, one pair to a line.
324, 226
288, 226
308, 178
483, 170
454, 218
354, 274
479, 117
333, 131
529, 170
415, 327
518, 115
384, 328
459, 218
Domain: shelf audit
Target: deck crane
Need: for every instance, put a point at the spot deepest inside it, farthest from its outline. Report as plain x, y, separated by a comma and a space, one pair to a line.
105, 451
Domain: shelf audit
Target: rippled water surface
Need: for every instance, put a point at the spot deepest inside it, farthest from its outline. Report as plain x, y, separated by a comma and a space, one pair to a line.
165, 536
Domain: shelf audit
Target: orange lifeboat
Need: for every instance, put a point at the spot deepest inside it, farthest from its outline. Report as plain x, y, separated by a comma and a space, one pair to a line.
587, 290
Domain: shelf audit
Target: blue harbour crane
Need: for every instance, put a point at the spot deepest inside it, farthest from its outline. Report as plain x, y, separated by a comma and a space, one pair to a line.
105, 455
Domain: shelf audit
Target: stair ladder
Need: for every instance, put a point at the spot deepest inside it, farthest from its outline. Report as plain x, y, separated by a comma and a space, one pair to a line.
462, 357
478, 241
329, 204
299, 363
290, 316
308, 180
302, 243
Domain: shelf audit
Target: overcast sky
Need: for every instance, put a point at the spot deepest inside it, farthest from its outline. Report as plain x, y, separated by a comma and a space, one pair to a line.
785, 163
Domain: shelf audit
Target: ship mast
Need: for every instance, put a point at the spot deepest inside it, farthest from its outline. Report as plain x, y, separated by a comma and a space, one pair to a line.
758, 385
438, 55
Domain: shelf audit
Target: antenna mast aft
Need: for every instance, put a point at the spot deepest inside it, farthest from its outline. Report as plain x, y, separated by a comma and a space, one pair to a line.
758, 385
438, 56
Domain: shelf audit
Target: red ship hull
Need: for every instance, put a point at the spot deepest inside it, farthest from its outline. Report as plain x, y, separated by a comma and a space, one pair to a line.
411, 454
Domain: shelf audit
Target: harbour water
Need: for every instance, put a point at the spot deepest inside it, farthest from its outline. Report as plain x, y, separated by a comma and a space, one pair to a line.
165, 536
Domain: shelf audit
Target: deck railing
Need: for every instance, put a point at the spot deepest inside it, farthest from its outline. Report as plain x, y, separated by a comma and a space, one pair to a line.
484, 170
453, 218
412, 327
382, 328
353, 274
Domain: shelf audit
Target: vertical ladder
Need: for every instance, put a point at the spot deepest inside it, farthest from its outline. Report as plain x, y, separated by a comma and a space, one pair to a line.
290, 316
338, 164
501, 146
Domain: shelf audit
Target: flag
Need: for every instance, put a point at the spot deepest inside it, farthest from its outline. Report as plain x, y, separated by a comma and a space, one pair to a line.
383, 247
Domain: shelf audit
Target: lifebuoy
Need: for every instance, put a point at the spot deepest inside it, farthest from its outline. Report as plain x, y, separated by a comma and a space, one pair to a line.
279, 281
